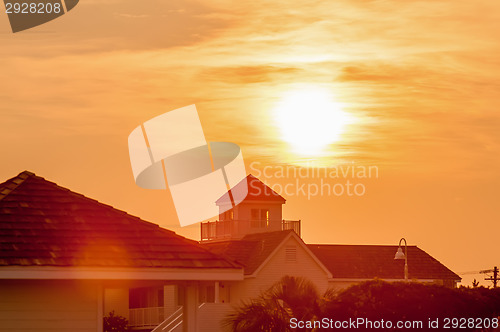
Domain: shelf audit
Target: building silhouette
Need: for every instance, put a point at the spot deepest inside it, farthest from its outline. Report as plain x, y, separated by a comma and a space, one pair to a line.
66, 261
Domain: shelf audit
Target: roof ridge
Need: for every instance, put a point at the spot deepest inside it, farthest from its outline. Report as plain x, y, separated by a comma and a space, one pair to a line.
253, 177
255, 190
17, 181
75, 230
25, 175
170, 232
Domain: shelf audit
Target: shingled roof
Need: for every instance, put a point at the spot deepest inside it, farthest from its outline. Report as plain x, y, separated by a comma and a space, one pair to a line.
257, 191
43, 224
251, 251
343, 261
375, 261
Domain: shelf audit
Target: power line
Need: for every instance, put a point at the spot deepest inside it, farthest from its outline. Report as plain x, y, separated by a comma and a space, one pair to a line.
469, 272
493, 278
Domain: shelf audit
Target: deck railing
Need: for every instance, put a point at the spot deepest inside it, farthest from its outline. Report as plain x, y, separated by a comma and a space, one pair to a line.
146, 317
171, 323
209, 316
291, 224
233, 229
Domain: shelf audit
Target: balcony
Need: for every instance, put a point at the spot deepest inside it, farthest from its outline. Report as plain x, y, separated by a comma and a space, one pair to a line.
146, 317
236, 229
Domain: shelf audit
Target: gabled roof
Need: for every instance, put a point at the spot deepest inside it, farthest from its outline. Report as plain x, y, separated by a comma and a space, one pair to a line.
251, 251
257, 191
254, 250
373, 261
43, 224
342, 261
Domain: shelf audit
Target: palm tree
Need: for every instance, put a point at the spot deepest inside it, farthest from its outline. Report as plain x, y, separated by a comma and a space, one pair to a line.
290, 297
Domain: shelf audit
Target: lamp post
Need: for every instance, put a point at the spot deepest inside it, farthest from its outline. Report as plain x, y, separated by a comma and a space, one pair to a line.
401, 255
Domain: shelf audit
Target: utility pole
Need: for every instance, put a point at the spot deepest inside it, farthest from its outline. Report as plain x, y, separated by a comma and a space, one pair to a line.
494, 278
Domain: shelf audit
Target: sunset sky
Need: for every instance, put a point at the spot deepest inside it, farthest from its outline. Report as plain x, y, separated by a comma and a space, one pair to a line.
415, 84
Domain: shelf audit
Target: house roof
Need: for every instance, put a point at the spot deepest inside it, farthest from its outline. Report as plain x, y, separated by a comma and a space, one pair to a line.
374, 261
257, 191
251, 251
343, 261
43, 224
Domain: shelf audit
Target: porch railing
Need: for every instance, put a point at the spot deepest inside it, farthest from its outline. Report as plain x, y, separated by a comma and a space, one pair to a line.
146, 317
210, 316
291, 224
231, 229
172, 323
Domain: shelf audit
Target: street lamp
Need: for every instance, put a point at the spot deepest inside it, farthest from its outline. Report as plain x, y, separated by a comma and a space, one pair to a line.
401, 255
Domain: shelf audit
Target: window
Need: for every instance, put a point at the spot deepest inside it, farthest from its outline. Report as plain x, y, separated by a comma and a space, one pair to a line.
264, 216
146, 297
260, 218
138, 298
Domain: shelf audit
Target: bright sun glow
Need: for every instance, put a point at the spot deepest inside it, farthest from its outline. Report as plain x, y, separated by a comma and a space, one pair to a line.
310, 119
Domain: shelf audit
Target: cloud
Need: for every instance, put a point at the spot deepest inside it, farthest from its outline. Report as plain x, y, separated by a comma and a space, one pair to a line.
402, 68
131, 15
250, 74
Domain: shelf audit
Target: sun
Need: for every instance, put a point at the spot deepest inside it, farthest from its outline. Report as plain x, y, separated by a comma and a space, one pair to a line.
310, 119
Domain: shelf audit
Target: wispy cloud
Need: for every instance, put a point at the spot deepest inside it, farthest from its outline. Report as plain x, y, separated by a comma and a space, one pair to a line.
126, 15
421, 78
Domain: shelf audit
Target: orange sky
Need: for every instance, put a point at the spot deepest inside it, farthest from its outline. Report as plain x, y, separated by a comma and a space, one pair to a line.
420, 77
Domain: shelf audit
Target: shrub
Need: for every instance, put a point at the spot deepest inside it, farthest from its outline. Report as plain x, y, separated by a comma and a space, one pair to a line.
114, 323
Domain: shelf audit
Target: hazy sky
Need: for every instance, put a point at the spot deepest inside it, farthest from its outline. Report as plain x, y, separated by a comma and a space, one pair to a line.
420, 78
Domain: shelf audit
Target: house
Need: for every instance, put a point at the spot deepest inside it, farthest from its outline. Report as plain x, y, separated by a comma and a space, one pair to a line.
352, 264
67, 260
269, 247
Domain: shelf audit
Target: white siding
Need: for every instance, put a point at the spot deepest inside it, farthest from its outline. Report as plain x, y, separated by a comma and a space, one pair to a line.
170, 299
212, 316
243, 210
277, 267
116, 299
55, 306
